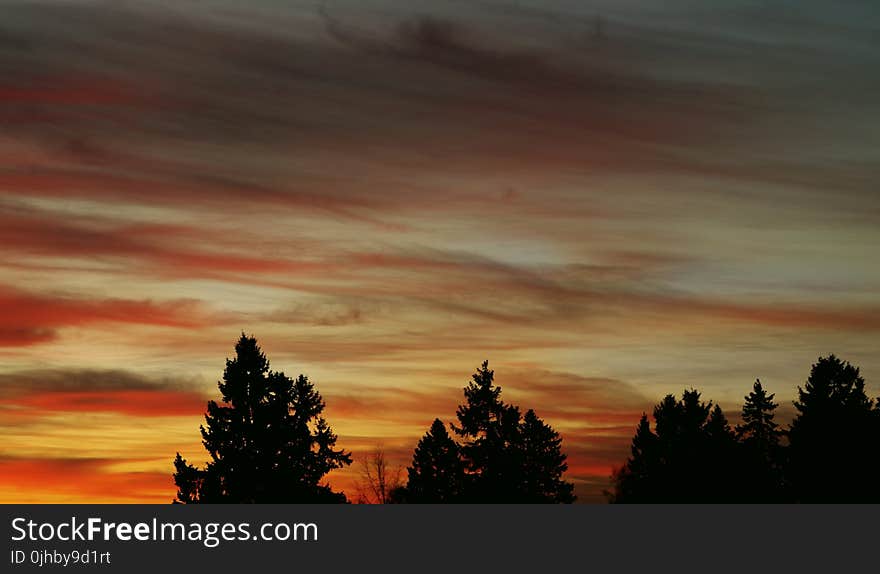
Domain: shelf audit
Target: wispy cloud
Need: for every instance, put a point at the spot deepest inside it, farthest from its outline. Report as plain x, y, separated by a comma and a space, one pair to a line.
27, 318
607, 200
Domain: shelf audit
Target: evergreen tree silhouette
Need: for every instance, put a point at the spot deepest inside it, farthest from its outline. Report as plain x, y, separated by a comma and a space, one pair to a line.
437, 471
488, 428
762, 452
758, 428
722, 467
689, 457
543, 463
834, 438
636, 481
267, 440
496, 449
692, 455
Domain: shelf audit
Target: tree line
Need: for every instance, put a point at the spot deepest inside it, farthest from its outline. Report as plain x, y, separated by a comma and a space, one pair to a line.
829, 453
268, 442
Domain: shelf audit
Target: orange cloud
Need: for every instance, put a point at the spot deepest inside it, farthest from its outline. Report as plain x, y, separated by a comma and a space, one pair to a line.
34, 318
41, 481
384, 198
138, 403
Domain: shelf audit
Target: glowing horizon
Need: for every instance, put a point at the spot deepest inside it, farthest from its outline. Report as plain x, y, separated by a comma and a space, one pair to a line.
608, 202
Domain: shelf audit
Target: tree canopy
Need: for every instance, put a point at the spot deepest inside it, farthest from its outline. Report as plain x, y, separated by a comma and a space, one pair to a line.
761, 451
501, 456
495, 454
267, 439
687, 457
830, 452
437, 471
834, 438
268, 442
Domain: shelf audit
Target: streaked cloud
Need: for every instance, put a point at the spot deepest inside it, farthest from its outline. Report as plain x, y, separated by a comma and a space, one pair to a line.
610, 201
28, 318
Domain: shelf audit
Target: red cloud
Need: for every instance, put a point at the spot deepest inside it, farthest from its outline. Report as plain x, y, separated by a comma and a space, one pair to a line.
26, 318
13, 336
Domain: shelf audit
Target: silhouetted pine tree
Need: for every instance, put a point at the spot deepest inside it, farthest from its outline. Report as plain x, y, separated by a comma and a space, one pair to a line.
437, 471
267, 440
543, 463
833, 439
488, 428
762, 453
495, 451
689, 457
693, 456
636, 480
723, 462
758, 428
719, 436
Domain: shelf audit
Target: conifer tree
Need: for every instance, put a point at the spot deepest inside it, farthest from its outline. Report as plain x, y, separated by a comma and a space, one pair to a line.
833, 436
437, 471
717, 428
635, 481
758, 429
488, 428
690, 456
761, 453
267, 440
495, 448
543, 463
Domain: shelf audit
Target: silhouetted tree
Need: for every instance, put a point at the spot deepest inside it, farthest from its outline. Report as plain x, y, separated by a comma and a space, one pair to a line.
635, 481
717, 431
758, 429
723, 461
267, 440
496, 448
543, 463
834, 438
437, 471
762, 452
378, 484
692, 455
190, 482
689, 457
874, 452
488, 428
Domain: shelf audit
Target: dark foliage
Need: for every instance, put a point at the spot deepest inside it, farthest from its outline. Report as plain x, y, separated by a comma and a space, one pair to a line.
691, 455
761, 450
437, 471
542, 463
508, 458
269, 443
501, 455
834, 438
267, 440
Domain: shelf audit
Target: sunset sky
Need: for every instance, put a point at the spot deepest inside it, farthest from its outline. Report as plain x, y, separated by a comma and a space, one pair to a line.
610, 200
